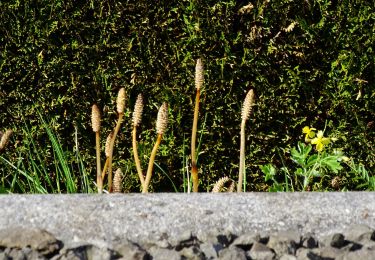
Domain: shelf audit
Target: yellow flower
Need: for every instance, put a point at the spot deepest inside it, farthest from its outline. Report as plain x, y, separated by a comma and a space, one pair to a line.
309, 133
320, 141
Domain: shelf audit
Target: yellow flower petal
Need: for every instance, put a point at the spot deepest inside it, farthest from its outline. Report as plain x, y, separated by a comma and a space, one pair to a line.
325, 141
306, 130
311, 134
319, 147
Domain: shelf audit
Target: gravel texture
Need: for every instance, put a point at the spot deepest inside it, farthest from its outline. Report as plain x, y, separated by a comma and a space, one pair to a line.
188, 226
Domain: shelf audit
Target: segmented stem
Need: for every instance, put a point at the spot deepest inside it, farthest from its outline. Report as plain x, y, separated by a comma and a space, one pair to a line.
151, 164
194, 169
136, 158
95, 118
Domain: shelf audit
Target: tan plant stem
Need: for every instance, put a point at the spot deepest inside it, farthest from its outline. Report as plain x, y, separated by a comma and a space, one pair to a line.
241, 172
194, 168
105, 168
110, 157
151, 164
95, 122
99, 180
136, 158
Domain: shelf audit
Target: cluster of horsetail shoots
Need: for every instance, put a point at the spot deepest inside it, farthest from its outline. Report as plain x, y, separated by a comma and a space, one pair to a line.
198, 84
161, 126
245, 114
115, 184
95, 120
137, 117
120, 103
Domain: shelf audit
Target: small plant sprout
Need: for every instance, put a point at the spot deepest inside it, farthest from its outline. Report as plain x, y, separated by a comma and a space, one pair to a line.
117, 181
120, 102
95, 118
309, 166
198, 84
245, 114
161, 127
220, 185
5, 138
137, 117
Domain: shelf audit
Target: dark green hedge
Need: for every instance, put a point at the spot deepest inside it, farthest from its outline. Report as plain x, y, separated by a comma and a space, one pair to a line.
60, 57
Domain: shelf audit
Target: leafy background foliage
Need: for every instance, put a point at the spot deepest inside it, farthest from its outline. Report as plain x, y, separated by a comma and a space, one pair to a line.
60, 57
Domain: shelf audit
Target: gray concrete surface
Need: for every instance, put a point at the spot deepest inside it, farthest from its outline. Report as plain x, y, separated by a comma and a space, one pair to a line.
105, 220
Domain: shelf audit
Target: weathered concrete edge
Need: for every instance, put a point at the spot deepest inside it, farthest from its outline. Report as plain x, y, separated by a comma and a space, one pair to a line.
166, 218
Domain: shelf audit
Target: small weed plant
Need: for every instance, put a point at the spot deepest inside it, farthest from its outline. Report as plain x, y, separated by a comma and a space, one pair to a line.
315, 160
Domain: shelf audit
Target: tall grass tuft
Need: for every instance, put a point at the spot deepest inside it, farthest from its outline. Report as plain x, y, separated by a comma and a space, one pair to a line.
245, 114
161, 127
31, 174
198, 84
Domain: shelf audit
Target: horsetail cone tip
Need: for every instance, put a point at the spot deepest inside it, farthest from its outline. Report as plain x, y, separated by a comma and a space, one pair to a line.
138, 109
247, 105
117, 185
199, 74
220, 184
162, 121
121, 101
95, 118
5, 138
107, 144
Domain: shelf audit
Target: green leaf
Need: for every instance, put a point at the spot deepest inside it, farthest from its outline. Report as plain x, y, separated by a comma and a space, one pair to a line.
300, 154
331, 162
269, 170
300, 172
276, 187
312, 160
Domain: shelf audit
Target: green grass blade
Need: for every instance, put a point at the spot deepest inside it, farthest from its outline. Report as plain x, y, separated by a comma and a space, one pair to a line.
81, 168
27, 176
161, 169
62, 161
